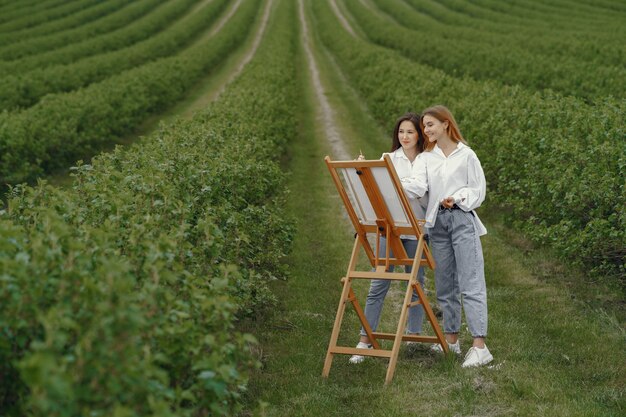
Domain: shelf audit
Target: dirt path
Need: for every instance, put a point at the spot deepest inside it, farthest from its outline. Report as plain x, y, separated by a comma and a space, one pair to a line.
197, 7
330, 126
342, 18
374, 9
335, 68
222, 21
218, 26
213, 95
209, 89
396, 292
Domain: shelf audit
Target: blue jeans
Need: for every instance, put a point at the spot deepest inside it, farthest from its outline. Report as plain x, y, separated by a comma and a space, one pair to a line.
379, 287
460, 271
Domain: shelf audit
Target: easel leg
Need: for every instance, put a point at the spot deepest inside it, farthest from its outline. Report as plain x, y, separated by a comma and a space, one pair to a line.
431, 317
340, 311
422, 248
399, 332
363, 319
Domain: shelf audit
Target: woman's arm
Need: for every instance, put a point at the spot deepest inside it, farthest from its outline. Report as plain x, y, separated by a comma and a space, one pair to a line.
472, 196
417, 184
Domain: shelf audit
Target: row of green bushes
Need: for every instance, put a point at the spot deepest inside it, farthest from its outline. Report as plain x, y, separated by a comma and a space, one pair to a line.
25, 90
62, 128
23, 19
490, 19
599, 47
147, 19
557, 163
90, 16
547, 10
12, 9
566, 16
21, 46
451, 52
9, 8
120, 296
569, 15
147, 25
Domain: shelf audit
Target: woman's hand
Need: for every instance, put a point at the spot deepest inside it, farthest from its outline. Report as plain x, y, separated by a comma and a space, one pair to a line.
448, 202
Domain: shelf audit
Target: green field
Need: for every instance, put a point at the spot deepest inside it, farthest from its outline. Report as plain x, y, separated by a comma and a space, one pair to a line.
171, 243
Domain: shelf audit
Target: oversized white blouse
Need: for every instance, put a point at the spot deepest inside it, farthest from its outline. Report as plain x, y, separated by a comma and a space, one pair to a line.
404, 168
459, 175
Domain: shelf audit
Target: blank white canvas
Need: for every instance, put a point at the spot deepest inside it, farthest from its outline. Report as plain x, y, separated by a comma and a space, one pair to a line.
361, 203
391, 197
358, 197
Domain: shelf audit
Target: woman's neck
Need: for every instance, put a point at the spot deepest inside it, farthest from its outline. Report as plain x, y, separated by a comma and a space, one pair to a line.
447, 145
410, 153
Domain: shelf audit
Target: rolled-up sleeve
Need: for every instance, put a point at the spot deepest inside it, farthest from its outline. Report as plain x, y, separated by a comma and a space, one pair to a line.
473, 195
417, 184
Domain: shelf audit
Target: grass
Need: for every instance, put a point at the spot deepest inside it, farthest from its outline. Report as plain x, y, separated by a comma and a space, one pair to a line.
556, 353
607, 298
553, 356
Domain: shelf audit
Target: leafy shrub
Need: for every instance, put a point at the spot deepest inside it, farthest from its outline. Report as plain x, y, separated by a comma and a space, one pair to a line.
27, 88
65, 127
120, 296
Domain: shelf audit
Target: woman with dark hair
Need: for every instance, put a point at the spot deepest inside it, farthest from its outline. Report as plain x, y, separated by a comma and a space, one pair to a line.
407, 142
451, 173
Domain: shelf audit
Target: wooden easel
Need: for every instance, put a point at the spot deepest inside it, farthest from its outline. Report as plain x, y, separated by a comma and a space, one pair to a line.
376, 204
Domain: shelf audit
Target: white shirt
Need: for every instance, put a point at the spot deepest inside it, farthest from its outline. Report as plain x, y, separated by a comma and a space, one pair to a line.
459, 175
404, 168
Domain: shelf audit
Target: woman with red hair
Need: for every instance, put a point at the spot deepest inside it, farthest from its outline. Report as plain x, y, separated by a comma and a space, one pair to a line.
452, 175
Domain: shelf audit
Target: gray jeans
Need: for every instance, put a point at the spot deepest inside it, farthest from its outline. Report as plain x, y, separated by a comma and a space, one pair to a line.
459, 272
379, 287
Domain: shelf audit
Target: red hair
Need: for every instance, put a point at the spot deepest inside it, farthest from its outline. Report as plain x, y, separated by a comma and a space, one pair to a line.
442, 114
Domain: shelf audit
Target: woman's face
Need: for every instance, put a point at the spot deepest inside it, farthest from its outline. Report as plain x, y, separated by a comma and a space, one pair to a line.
407, 135
433, 128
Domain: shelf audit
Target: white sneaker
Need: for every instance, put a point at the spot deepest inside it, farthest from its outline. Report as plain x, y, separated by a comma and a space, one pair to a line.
359, 358
410, 342
453, 347
477, 357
